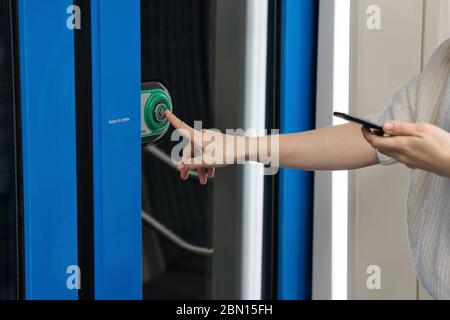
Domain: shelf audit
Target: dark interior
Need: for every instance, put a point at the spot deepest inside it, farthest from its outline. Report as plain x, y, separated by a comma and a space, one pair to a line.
177, 51
10, 218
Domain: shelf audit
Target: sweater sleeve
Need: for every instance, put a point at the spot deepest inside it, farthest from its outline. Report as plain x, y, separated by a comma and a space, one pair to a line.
403, 107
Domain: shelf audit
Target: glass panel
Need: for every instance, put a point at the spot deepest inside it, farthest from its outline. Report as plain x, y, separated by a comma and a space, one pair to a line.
176, 51
205, 53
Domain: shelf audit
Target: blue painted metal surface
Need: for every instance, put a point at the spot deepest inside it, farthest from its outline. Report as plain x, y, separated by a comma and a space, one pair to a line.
116, 72
298, 66
49, 147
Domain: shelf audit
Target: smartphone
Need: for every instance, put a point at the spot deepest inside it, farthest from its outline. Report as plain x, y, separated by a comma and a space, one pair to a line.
372, 126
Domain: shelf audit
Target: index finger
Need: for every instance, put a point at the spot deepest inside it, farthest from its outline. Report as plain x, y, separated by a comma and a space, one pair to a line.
178, 124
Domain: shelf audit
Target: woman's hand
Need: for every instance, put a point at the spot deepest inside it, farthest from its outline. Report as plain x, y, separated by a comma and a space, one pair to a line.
207, 151
418, 146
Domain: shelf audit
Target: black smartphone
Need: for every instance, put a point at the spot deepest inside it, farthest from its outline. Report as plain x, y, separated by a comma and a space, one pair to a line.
376, 128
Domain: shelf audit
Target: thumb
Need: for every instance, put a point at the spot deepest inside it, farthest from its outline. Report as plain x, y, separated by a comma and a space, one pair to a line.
397, 128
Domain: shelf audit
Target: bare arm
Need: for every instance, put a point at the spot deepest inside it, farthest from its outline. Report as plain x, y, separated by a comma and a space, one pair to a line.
335, 148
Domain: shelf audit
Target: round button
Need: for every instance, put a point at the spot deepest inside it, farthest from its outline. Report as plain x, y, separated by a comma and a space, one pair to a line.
159, 113
154, 118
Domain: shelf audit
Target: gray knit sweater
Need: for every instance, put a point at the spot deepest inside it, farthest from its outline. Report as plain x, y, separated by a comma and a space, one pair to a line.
429, 218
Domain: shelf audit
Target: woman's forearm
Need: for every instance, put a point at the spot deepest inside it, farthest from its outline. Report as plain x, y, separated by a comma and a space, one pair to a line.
336, 148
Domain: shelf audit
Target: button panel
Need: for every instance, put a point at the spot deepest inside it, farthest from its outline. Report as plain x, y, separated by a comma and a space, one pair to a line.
155, 99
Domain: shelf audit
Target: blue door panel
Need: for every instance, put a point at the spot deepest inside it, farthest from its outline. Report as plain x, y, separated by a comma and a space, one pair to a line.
49, 149
117, 148
298, 67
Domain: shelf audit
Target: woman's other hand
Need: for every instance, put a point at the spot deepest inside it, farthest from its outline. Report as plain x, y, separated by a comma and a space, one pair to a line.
418, 146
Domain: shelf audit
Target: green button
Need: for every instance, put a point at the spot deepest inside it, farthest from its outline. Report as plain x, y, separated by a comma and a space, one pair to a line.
159, 113
157, 102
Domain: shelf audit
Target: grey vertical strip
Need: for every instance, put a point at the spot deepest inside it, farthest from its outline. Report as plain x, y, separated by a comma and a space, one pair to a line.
321, 284
230, 23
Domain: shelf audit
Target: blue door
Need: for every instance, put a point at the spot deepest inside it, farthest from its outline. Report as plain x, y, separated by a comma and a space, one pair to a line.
298, 69
80, 103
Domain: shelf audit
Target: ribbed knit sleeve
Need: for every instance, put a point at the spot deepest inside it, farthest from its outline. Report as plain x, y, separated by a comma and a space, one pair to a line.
403, 107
